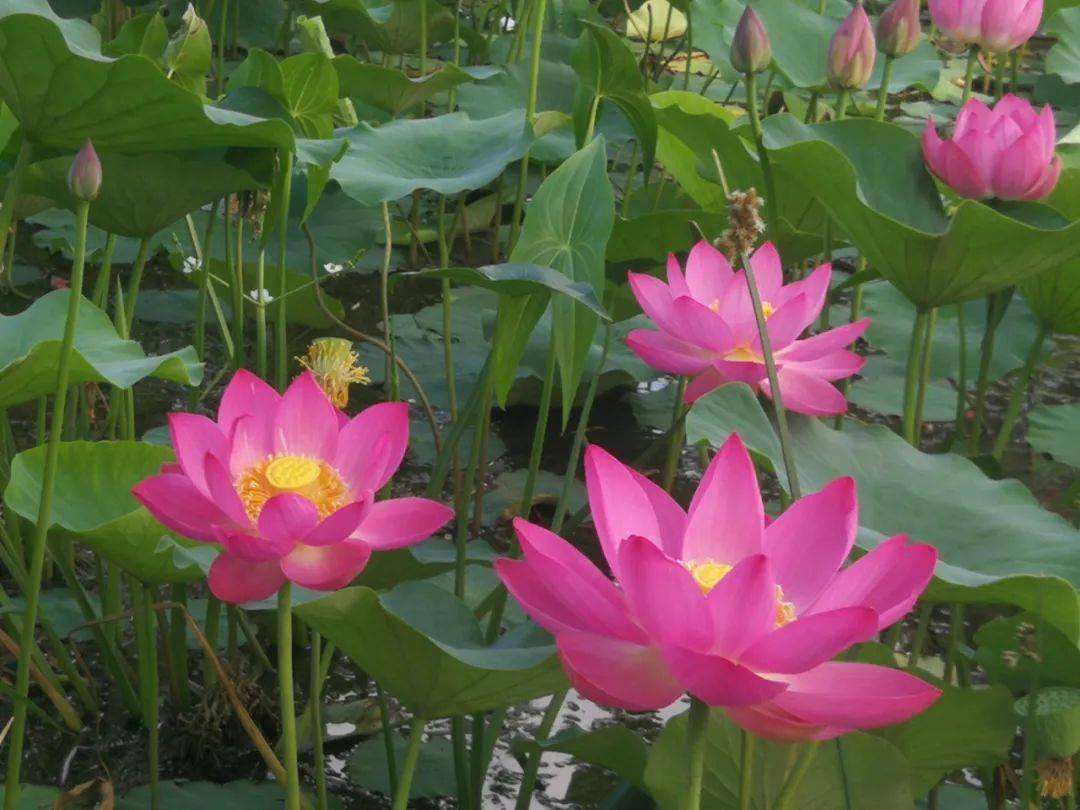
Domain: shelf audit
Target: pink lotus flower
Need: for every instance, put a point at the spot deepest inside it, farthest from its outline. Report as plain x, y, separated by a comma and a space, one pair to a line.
994, 25
286, 484
708, 330
1006, 152
741, 613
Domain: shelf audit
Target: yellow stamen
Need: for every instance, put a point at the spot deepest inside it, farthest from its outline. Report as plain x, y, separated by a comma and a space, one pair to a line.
335, 366
743, 354
708, 573
1055, 778
715, 306
315, 480
767, 309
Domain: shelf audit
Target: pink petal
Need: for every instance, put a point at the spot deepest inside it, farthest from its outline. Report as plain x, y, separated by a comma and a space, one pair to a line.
617, 673
338, 526
665, 353
370, 448
700, 326
325, 568
236, 581
856, 696
769, 722
726, 518
655, 299
707, 273
718, 681
401, 522
663, 597
670, 517
246, 395
788, 322
195, 437
803, 392
675, 278
969, 165
836, 366
816, 289
1046, 181
809, 542
252, 443
249, 547
305, 423
889, 579
825, 343
219, 483
1022, 167
285, 519
705, 382
175, 503
768, 271
810, 641
562, 589
743, 606
619, 507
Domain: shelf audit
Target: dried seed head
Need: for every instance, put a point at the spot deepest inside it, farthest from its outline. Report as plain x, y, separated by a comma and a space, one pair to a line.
1055, 778
745, 225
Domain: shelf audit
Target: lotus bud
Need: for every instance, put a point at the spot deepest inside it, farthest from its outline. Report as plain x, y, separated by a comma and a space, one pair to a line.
852, 52
751, 51
84, 176
898, 30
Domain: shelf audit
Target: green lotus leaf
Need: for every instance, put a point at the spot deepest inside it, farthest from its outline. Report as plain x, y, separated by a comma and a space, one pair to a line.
1055, 430
30, 351
393, 91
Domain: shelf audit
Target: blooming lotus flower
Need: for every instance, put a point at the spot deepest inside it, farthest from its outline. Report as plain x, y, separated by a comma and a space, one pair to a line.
741, 613
1005, 152
993, 25
285, 483
852, 52
708, 329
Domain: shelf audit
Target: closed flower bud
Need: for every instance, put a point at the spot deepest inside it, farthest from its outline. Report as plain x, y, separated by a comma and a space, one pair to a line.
84, 176
852, 52
751, 51
898, 30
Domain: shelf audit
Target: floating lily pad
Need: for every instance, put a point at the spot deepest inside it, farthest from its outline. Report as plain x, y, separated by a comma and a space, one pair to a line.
1055, 430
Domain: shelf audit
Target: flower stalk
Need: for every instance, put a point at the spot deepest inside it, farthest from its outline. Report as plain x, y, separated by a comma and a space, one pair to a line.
288, 704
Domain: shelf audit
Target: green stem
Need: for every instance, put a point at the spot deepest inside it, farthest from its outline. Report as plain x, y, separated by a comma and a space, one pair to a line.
911, 379
924, 373
315, 701
288, 705
795, 777
41, 528
774, 383
956, 638
388, 737
281, 313
221, 47
982, 382
408, 767
539, 432
883, 90
969, 73
530, 118
462, 776
101, 284
447, 312
842, 101
532, 765
696, 728
689, 48
213, 623
677, 439
999, 76
1019, 394
178, 647
261, 358
961, 374
132, 294
148, 683
579, 436
922, 631
384, 298
11, 195
202, 255
763, 156
746, 771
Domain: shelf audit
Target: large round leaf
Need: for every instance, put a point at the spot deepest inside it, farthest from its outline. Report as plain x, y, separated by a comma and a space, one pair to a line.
63, 91
447, 154
93, 503
1055, 430
30, 351
427, 648
866, 770
394, 91
1054, 296
893, 214
995, 543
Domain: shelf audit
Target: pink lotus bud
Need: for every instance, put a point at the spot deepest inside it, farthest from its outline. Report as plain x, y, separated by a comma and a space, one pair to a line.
898, 30
1006, 152
994, 25
751, 51
852, 52
84, 176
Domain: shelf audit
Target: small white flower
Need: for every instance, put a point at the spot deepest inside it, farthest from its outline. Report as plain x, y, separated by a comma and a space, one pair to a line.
191, 264
262, 296
333, 268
